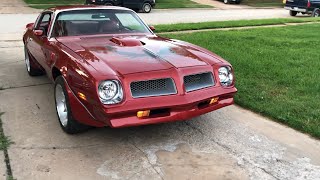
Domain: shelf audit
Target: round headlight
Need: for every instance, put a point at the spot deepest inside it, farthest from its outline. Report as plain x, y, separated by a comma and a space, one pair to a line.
225, 76
110, 92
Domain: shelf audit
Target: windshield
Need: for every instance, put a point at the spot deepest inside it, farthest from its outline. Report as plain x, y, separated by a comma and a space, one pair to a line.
97, 21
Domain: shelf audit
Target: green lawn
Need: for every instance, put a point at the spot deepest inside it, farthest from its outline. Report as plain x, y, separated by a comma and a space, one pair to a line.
161, 4
4, 140
263, 3
277, 70
228, 24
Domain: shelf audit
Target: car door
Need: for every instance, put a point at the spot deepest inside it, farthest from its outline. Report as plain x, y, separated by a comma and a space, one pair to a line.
39, 45
133, 4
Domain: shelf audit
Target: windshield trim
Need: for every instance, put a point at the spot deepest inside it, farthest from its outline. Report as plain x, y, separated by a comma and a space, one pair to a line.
77, 9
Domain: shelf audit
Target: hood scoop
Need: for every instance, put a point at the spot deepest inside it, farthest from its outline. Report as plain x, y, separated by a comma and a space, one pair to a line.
127, 42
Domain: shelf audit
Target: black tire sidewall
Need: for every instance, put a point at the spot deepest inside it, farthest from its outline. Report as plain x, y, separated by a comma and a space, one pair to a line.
72, 126
293, 13
316, 11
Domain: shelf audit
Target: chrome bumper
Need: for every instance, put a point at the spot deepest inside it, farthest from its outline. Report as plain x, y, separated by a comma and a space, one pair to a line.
296, 9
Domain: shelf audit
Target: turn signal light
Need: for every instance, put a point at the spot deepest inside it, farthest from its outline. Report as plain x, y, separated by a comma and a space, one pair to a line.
141, 114
82, 96
214, 100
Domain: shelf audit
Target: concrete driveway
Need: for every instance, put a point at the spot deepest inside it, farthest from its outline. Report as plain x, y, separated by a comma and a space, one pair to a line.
231, 143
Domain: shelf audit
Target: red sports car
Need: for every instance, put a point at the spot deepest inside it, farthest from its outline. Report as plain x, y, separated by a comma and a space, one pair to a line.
110, 69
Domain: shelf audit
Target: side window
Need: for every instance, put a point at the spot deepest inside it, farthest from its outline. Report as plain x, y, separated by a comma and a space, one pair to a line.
44, 22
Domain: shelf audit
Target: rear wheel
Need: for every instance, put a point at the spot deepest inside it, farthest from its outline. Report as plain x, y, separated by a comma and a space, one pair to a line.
31, 69
67, 123
238, 2
316, 13
146, 7
293, 13
226, 1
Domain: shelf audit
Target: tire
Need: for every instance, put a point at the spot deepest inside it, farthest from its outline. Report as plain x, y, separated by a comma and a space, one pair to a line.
293, 13
226, 1
238, 1
63, 109
146, 8
108, 4
30, 65
316, 13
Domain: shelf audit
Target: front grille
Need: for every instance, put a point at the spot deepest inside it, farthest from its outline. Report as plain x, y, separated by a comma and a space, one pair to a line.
155, 87
198, 81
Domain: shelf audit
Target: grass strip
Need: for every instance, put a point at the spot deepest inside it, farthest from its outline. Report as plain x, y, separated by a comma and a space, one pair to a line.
4, 145
277, 70
229, 24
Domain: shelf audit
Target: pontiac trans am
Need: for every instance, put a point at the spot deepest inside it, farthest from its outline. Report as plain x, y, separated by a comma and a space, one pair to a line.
110, 69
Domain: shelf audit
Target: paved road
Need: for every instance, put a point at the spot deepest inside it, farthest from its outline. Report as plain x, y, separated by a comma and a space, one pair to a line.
162, 17
230, 143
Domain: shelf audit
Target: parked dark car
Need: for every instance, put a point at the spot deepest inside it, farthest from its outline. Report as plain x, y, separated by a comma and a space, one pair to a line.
303, 6
136, 5
232, 1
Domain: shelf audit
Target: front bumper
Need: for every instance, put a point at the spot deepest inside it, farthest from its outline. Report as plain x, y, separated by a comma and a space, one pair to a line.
178, 107
298, 9
177, 113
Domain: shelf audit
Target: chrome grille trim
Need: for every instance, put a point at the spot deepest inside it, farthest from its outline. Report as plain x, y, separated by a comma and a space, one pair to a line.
154, 87
198, 81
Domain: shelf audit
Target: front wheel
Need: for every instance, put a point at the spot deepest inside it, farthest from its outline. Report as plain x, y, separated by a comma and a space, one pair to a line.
316, 13
67, 123
293, 13
226, 1
108, 4
146, 7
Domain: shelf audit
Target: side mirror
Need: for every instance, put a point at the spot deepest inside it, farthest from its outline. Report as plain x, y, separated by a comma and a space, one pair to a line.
30, 25
38, 32
152, 28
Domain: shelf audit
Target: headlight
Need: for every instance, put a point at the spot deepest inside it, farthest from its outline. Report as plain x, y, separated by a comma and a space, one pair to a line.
225, 76
110, 92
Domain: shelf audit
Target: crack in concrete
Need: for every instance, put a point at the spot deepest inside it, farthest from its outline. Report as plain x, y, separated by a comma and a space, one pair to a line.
5, 152
228, 149
16, 87
132, 143
8, 63
56, 147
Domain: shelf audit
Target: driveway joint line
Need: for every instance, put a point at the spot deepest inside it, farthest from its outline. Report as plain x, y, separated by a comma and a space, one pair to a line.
17, 87
5, 153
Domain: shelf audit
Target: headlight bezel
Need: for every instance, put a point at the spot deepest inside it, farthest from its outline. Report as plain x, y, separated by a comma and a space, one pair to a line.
116, 98
228, 80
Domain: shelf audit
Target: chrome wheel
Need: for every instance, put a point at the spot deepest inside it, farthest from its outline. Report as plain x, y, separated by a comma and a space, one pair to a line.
27, 60
61, 105
147, 8
226, 1
316, 14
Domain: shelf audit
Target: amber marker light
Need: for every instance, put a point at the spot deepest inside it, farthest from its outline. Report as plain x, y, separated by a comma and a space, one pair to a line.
214, 100
82, 96
141, 114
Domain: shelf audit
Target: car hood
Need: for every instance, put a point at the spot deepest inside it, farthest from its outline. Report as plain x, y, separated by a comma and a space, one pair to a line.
134, 54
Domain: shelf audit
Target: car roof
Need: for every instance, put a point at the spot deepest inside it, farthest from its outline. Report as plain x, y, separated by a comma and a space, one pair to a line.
83, 7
